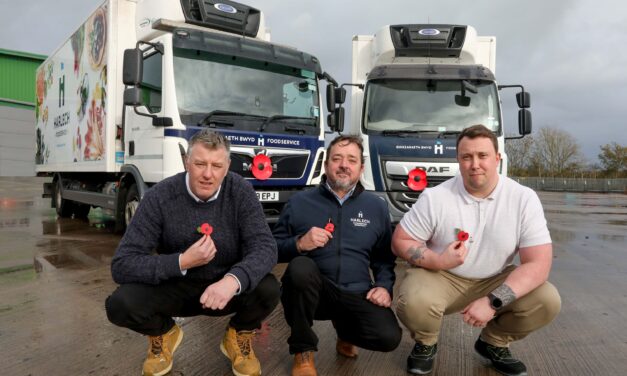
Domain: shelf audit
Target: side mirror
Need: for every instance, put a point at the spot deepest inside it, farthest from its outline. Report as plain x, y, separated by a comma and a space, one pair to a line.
340, 95
335, 120
330, 98
524, 99
524, 122
132, 70
133, 96
338, 115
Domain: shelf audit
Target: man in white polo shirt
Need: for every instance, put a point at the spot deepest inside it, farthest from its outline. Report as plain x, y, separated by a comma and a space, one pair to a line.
462, 237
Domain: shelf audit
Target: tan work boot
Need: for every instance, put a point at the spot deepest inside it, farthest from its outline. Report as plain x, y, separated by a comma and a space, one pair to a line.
304, 364
238, 347
347, 349
160, 352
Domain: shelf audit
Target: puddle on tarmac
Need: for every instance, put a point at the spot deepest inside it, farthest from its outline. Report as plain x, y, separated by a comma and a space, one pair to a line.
61, 261
617, 222
559, 236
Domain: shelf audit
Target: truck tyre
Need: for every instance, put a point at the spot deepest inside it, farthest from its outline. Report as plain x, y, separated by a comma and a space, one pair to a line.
64, 207
81, 211
131, 204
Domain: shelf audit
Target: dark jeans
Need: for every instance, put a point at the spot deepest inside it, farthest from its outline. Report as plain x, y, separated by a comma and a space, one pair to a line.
307, 295
148, 309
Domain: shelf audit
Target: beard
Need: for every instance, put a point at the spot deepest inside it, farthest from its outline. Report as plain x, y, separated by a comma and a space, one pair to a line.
341, 184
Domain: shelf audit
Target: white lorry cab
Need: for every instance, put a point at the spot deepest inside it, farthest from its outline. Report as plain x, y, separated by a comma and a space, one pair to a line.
414, 88
119, 100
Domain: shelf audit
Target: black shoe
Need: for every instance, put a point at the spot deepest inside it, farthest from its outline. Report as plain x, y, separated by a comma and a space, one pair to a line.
501, 359
420, 360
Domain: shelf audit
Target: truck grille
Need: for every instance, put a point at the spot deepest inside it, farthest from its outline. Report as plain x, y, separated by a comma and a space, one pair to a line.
287, 164
401, 196
395, 182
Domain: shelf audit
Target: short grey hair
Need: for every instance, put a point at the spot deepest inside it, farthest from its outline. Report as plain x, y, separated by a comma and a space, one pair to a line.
211, 140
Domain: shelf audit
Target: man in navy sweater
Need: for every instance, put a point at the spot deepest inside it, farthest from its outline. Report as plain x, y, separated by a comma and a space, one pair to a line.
332, 236
198, 245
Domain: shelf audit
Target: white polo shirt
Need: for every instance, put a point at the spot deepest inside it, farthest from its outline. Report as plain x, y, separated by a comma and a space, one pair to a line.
498, 225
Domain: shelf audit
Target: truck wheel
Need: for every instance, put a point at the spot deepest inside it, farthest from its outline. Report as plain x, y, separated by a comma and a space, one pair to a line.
81, 211
132, 202
64, 207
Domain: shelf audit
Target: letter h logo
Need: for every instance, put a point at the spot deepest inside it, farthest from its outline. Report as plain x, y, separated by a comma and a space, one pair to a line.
62, 91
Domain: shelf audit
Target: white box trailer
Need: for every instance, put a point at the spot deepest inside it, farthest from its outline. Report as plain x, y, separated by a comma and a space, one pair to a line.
415, 88
197, 64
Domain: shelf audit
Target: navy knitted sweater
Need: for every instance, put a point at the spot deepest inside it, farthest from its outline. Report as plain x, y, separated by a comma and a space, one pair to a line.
166, 223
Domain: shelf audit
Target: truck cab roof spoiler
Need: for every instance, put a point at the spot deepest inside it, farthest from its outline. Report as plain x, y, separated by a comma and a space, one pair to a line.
439, 72
224, 44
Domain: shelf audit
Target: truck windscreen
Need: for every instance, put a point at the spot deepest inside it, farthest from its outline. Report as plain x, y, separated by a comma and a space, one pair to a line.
220, 90
430, 106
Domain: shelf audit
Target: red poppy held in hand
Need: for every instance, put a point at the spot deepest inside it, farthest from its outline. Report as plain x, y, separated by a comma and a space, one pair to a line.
261, 167
329, 227
462, 236
417, 179
205, 229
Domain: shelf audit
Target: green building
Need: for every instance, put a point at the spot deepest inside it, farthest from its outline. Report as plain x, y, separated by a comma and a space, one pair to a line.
17, 112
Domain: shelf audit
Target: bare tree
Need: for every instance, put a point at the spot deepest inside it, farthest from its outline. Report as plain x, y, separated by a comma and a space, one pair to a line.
556, 152
519, 153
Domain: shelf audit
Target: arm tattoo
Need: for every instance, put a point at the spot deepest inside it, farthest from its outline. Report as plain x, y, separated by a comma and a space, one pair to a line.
416, 254
505, 293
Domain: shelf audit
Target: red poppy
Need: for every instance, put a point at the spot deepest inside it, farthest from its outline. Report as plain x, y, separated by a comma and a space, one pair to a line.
205, 228
329, 227
462, 236
262, 167
417, 179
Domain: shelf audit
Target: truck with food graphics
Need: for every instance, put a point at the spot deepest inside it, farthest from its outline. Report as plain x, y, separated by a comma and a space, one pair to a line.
118, 101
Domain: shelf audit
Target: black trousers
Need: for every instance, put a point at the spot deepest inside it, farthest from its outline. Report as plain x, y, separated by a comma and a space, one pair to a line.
148, 309
307, 295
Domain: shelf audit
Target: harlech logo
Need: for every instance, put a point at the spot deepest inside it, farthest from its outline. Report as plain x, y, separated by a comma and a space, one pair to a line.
360, 221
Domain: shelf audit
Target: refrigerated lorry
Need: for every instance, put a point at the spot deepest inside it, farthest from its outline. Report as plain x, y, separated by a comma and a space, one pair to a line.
415, 87
118, 101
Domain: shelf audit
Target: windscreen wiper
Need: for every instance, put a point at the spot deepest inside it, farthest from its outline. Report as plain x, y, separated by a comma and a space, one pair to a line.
289, 128
272, 118
448, 133
398, 132
205, 120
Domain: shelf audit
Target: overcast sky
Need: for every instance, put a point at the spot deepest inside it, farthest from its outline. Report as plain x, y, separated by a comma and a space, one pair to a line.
571, 55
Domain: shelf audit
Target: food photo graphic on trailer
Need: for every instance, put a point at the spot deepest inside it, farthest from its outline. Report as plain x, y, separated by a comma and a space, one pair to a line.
64, 118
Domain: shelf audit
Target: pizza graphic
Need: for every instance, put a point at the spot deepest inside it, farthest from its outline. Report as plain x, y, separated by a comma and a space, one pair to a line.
96, 34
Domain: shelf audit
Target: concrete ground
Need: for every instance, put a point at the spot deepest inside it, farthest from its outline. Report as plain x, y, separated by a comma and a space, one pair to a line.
54, 277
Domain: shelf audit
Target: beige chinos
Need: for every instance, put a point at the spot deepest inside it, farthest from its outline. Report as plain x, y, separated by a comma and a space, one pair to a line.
425, 296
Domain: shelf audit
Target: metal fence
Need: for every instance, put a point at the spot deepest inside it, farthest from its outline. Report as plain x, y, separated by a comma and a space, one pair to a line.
574, 184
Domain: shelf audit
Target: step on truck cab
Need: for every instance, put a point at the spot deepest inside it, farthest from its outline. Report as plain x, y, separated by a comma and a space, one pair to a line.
414, 88
119, 100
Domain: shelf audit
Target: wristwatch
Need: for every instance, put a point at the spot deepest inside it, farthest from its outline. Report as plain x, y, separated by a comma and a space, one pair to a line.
495, 302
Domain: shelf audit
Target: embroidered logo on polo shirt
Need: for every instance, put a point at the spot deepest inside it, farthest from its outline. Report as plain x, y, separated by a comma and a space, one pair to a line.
360, 221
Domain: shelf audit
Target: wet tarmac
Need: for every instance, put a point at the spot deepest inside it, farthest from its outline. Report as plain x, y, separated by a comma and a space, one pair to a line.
54, 277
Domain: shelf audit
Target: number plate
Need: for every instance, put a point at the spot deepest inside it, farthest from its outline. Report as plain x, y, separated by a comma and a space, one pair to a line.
268, 196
